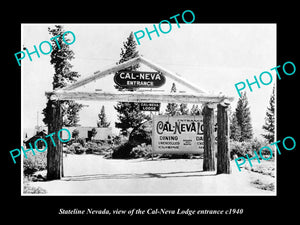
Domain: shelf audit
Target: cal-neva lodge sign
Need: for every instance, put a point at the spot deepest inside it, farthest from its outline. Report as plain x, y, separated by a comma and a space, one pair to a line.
178, 134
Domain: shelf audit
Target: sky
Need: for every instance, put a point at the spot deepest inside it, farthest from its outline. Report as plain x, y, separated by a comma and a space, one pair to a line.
212, 56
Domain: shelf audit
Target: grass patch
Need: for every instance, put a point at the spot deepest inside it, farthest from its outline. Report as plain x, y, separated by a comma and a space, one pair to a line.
259, 184
265, 168
27, 189
265, 175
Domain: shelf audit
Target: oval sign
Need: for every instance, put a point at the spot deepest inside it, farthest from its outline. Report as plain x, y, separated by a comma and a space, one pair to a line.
139, 79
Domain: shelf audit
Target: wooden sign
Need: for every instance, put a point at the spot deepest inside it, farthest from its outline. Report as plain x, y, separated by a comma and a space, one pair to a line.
178, 134
148, 106
139, 79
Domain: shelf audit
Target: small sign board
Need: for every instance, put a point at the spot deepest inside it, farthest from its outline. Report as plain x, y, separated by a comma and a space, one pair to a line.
139, 79
148, 106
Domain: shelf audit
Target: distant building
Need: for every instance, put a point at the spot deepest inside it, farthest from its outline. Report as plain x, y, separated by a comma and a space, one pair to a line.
84, 133
40, 144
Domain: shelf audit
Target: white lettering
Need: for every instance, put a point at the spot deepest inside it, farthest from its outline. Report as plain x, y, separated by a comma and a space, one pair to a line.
122, 76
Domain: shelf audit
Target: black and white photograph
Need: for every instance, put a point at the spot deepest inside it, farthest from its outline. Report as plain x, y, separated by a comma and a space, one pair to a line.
149, 111
175, 108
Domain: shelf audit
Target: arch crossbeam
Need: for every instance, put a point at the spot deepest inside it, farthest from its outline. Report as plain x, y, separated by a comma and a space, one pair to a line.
139, 97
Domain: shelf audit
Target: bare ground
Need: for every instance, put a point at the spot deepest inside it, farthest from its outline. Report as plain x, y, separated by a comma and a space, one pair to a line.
95, 175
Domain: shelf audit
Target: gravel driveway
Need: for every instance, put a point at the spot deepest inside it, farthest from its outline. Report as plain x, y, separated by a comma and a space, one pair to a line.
95, 175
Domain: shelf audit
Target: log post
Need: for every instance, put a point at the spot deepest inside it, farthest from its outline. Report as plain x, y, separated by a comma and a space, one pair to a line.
223, 162
209, 139
54, 153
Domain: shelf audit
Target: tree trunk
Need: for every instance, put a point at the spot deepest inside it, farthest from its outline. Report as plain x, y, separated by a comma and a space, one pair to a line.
54, 153
223, 162
209, 139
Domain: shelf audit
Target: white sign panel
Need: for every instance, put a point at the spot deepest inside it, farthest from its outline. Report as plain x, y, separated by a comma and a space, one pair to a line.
178, 134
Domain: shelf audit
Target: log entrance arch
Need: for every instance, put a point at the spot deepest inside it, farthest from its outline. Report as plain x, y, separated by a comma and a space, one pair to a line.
211, 103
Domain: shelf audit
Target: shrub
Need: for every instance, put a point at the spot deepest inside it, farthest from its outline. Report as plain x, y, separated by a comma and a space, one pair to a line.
122, 151
240, 149
117, 140
81, 141
259, 184
76, 148
75, 134
70, 142
79, 150
91, 147
71, 147
141, 134
141, 151
245, 147
27, 189
35, 162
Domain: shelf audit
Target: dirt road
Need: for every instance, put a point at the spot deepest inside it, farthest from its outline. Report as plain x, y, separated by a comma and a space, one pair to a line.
94, 175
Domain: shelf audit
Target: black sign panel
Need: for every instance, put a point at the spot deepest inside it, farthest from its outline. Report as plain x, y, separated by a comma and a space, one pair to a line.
147, 106
139, 79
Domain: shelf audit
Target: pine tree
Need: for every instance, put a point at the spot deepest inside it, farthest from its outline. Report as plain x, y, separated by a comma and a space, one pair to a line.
235, 129
129, 116
93, 132
243, 118
195, 110
269, 125
60, 57
129, 113
71, 117
183, 109
128, 52
172, 109
75, 134
102, 122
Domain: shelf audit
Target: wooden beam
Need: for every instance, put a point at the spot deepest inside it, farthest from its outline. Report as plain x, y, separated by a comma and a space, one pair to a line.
223, 158
212, 105
209, 139
225, 102
171, 75
112, 69
100, 74
138, 97
55, 153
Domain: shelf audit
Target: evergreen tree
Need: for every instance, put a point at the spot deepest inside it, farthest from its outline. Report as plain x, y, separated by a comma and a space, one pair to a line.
60, 56
235, 129
75, 134
173, 88
195, 110
93, 132
129, 113
269, 125
172, 109
243, 118
128, 52
70, 114
129, 116
102, 122
183, 109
